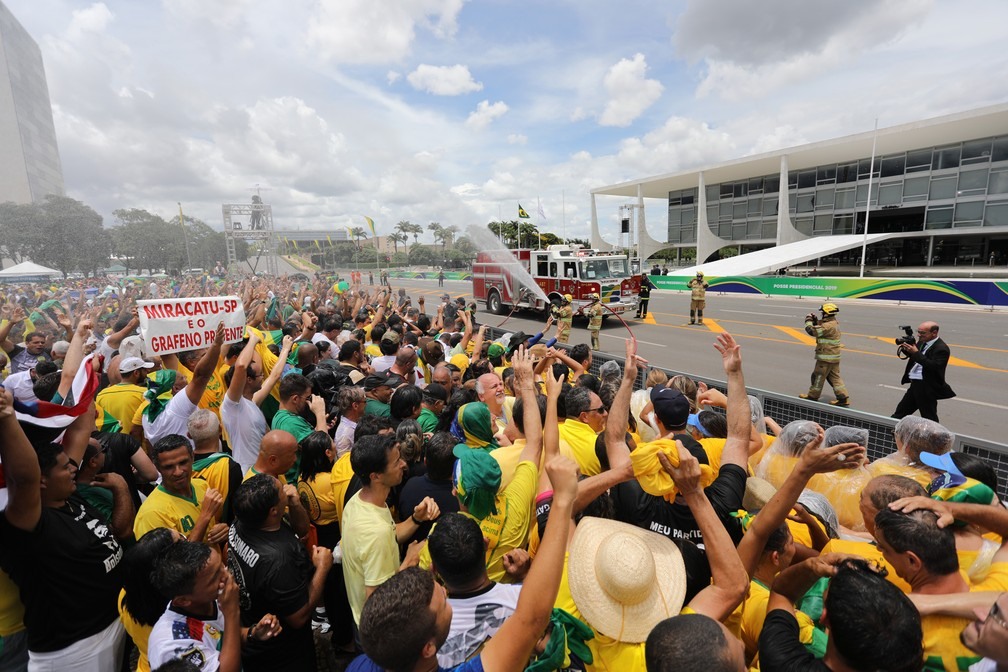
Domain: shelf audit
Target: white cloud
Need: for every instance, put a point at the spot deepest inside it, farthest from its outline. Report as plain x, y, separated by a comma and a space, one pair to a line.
517, 139
444, 80
392, 77
759, 48
94, 19
485, 113
629, 91
364, 31
679, 144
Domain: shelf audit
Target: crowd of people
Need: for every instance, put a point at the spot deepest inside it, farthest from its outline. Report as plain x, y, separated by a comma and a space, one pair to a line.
380, 476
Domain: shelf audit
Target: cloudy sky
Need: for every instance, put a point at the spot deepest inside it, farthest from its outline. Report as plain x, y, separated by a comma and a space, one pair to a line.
455, 111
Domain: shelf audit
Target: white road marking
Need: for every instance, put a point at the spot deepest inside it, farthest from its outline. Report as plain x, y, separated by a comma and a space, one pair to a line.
967, 401
750, 312
623, 338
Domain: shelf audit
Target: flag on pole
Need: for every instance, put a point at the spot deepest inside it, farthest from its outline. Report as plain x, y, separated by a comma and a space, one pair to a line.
318, 244
542, 215
329, 239
370, 223
349, 232
521, 213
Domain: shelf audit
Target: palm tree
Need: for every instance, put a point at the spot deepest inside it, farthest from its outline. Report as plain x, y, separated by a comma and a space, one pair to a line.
412, 229
448, 235
437, 230
397, 238
358, 232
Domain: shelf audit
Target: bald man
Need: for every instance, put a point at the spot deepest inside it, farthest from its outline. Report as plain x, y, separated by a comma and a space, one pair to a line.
925, 371
490, 389
278, 453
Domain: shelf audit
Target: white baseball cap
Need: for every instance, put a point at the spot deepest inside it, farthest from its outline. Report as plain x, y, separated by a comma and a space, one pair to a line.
131, 364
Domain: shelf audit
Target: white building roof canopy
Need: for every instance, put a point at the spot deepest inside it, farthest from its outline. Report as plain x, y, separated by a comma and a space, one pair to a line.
771, 259
28, 268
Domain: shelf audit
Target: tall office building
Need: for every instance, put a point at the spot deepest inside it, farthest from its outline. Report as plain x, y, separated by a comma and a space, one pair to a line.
29, 158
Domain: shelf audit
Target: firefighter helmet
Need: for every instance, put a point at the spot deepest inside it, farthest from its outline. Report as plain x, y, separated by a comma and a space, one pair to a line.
567, 298
829, 309
593, 297
699, 274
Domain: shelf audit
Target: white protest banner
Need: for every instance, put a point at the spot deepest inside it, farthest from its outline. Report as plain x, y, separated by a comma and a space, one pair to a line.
174, 325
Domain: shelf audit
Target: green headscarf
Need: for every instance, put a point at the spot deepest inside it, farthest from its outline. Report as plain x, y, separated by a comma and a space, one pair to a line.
159, 392
474, 426
477, 478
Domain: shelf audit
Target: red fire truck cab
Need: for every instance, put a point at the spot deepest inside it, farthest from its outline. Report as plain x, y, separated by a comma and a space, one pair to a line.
533, 279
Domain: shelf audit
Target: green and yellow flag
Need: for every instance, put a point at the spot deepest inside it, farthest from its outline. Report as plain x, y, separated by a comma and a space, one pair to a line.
521, 212
370, 223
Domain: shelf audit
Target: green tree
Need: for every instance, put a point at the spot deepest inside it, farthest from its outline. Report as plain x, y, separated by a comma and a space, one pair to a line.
69, 236
397, 238
549, 238
142, 240
19, 228
448, 235
358, 232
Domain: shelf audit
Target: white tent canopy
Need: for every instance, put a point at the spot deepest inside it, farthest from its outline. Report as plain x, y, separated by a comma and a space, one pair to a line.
769, 260
29, 269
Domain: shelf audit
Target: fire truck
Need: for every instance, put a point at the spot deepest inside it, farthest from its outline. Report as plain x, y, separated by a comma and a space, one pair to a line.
502, 278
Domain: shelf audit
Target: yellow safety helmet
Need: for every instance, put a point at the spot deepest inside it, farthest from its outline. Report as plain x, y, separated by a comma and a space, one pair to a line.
699, 274
593, 297
567, 298
829, 309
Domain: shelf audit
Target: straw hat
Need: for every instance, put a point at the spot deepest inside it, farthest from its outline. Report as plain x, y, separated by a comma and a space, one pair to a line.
757, 493
624, 579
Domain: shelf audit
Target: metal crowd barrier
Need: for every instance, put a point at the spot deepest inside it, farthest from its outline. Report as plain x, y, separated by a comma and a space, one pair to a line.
785, 408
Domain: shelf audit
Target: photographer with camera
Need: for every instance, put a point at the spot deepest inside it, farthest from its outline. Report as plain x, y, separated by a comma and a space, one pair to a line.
927, 360
827, 355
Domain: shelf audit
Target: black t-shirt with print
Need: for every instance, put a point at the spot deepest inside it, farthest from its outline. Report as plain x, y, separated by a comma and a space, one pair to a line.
273, 572
675, 520
69, 573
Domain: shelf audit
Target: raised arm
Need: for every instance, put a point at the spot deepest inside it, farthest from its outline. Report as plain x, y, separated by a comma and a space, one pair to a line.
736, 450
21, 470
113, 340
17, 314
990, 518
510, 648
525, 386
240, 373
205, 367
74, 357
729, 580
275, 373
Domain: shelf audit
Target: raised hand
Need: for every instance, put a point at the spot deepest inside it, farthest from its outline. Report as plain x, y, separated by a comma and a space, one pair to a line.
731, 353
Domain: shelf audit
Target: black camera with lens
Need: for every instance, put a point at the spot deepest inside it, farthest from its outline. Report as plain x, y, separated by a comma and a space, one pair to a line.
908, 336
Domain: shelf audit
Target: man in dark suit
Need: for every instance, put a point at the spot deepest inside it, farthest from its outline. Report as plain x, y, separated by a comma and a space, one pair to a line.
925, 371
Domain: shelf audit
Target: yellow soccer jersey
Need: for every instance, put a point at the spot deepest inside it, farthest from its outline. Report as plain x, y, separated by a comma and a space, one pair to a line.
164, 509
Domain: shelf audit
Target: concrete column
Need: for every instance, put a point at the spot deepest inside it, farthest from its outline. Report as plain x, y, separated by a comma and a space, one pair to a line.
596, 237
786, 231
707, 242
930, 251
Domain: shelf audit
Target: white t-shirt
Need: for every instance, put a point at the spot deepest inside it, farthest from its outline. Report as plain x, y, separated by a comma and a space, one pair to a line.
343, 438
383, 363
177, 636
21, 386
174, 419
246, 426
475, 619
319, 337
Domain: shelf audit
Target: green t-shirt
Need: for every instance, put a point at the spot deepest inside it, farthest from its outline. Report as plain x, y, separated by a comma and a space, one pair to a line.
375, 407
428, 420
293, 424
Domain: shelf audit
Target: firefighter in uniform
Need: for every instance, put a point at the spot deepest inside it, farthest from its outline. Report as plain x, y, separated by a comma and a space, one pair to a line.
827, 355
594, 319
563, 315
644, 295
698, 296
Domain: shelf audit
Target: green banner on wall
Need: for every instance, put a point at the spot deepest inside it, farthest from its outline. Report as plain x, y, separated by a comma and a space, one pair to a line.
976, 292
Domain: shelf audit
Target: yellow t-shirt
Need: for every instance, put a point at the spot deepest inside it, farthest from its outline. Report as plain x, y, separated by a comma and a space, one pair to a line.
370, 552
339, 481
215, 390
138, 633
318, 500
137, 419
943, 651
577, 441
11, 609
868, 551
121, 402
507, 529
164, 509
751, 614
507, 458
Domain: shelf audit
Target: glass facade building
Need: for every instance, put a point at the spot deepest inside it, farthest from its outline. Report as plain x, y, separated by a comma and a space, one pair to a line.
30, 168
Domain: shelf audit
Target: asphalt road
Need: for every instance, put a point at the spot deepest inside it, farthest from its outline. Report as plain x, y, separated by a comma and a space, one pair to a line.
778, 354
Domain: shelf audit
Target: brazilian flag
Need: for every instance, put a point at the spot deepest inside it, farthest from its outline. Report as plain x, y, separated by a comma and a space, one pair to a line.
521, 213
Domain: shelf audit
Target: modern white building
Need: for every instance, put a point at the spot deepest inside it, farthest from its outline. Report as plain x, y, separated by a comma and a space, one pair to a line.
29, 158
939, 196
